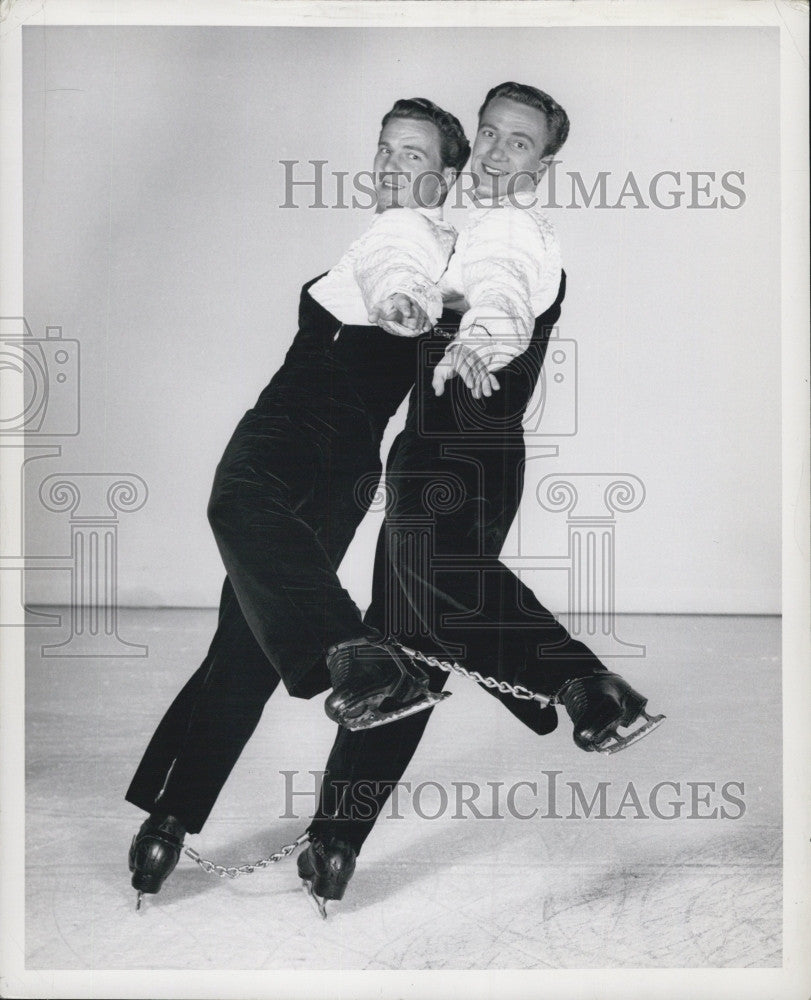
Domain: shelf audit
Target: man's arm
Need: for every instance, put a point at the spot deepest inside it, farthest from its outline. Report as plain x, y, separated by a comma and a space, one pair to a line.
510, 273
398, 265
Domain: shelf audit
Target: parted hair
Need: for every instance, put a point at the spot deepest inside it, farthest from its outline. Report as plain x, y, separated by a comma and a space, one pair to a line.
454, 146
557, 121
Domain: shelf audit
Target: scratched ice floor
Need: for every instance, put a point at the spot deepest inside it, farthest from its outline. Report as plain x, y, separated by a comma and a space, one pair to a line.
447, 893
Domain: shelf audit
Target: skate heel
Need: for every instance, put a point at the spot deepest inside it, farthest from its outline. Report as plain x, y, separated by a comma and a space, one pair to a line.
373, 715
633, 705
329, 884
635, 718
647, 723
145, 883
328, 887
374, 684
154, 853
602, 704
325, 869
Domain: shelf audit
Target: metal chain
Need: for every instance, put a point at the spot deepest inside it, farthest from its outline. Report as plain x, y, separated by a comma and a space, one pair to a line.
450, 667
504, 687
231, 871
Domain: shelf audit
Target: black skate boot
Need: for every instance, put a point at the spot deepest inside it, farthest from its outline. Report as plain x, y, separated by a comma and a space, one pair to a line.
325, 869
154, 852
599, 705
373, 684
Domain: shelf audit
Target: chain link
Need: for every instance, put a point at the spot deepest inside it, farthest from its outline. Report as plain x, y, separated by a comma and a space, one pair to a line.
452, 667
232, 871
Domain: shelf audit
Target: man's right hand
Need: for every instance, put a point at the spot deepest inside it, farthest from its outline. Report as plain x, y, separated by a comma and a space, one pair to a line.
400, 315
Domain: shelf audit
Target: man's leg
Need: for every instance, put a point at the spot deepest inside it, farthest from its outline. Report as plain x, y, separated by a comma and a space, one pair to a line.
272, 475
277, 466
283, 521
470, 604
362, 770
456, 480
202, 734
364, 767
197, 744
261, 513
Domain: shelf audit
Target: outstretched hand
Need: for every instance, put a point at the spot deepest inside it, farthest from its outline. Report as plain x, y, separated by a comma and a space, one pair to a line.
400, 315
463, 361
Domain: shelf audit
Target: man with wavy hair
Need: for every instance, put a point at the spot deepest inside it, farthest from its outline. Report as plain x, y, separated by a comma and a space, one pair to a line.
284, 509
458, 467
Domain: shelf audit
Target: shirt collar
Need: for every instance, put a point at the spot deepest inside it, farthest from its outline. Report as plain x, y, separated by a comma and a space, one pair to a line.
523, 199
431, 213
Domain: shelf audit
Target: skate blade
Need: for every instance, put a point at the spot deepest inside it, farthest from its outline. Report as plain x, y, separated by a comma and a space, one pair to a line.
319, 903
615, 742
373, 717
138, 902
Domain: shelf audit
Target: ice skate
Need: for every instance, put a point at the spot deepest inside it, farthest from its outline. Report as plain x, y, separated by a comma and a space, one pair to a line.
325, 869
154, 852
374, 684
599, 705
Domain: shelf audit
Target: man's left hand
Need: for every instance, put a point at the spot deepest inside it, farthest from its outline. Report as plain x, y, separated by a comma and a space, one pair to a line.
463, 361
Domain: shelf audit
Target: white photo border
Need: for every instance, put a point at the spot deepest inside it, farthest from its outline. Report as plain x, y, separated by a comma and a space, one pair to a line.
794, 978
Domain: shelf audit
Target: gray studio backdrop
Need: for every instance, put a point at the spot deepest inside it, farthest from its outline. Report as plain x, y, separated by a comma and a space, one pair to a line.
155, 236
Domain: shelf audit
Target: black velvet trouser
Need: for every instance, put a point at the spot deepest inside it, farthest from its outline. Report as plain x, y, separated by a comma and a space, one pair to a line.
454, 479
288, 495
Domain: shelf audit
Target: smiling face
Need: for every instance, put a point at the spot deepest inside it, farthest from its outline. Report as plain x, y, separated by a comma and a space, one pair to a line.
510, 143
408, 166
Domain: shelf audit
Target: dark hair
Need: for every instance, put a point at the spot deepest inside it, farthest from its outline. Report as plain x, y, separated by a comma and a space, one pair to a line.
557, 121
454, 147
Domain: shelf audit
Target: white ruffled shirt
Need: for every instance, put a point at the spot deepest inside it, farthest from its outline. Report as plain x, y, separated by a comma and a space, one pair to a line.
404, 250
505, 270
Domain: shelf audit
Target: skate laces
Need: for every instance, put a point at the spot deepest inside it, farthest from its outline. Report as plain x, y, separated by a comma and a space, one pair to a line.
168, 829
341, 660
347, 659
581, 693
334, 852
574, 697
